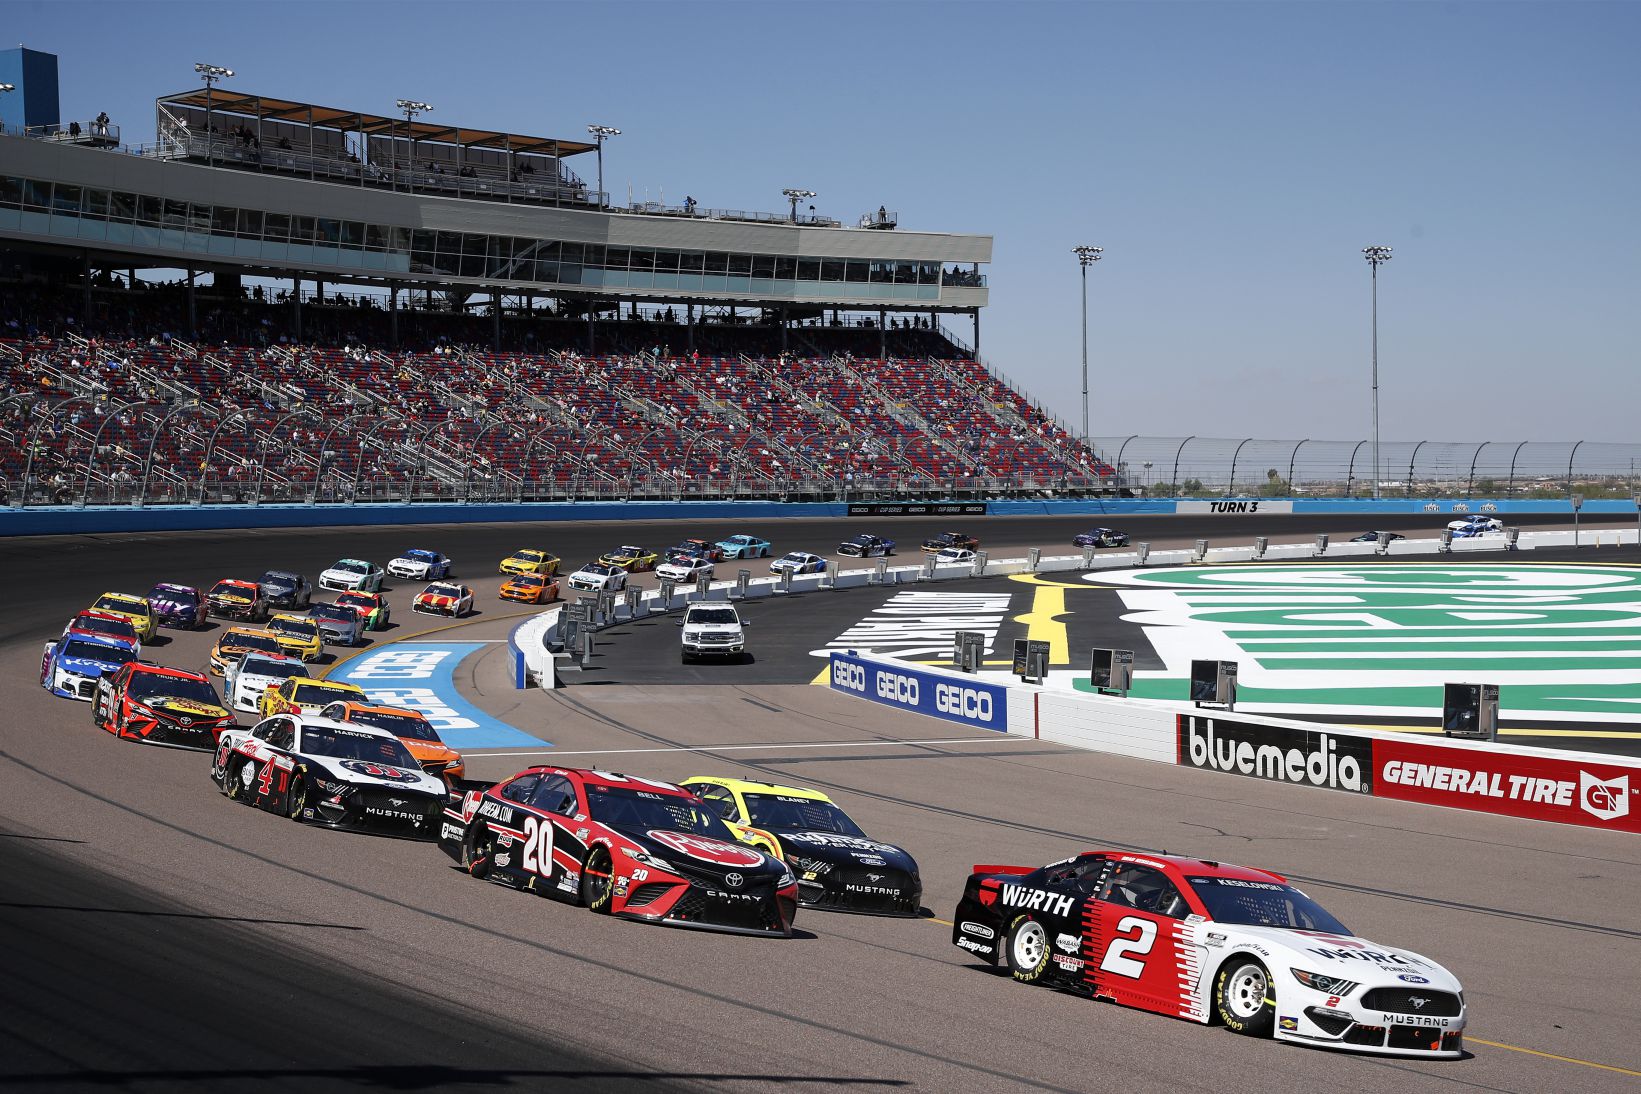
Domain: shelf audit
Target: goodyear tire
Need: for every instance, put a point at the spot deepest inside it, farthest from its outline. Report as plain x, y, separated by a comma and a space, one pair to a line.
598, 881
1027, 950
298, 799
478, 850
233, 783
1243, 997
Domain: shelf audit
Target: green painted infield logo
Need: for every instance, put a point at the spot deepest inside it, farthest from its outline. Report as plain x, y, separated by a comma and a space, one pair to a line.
1563, 641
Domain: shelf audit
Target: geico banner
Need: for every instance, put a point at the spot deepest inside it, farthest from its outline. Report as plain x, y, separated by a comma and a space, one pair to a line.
1234, 505
954, 699
1568, 791
1284, 754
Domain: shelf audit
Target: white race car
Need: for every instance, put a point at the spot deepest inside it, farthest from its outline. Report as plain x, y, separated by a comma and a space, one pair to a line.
247, 678
597, 577
684, 568
798, 562
352, 575
1475, 526
1206, 940
953, 556
418, 564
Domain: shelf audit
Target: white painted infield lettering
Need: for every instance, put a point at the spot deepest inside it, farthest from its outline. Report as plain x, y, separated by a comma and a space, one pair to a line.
898, 743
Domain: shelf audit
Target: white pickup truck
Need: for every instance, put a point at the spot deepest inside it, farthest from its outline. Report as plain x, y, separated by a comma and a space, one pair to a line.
712, 630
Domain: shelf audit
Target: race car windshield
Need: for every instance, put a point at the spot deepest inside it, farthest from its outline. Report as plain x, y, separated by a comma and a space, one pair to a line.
795, 556
91, 651
624, 808
334, 613
599, 568
400, 725
344, 744
798, 815
267, 643
350, 567
279, 580
267, 666
443, 590
357, 600
421, 556
118, 628
314, 694
115, 604
529, 581
529, 556
1264, 904
301, 628
182, 597
714, 615
229, 588
145, 687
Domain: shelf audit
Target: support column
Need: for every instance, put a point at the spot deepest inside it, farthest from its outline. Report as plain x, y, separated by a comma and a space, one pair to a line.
783, 329
85, 292
393, 313
882, 335
689, 324
191, 311
495, 319
592, 333
977, 332
296, 304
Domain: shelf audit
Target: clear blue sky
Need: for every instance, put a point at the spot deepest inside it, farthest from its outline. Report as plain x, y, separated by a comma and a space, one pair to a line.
1232, 158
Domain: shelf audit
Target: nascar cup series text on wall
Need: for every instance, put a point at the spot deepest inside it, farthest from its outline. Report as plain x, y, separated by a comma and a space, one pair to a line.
1276, 753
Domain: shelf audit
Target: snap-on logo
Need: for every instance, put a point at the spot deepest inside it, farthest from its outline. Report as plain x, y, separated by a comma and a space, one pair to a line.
897, 688
846, 674
962, 701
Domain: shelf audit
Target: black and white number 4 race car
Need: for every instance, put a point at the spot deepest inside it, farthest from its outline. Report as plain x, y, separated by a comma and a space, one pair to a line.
336, 774
1209, 941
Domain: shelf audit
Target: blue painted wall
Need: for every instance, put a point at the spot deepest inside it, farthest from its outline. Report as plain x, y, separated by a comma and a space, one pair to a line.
44, 520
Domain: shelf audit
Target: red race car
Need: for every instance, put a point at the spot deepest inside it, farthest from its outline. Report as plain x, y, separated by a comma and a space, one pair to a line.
160, 706
622, 846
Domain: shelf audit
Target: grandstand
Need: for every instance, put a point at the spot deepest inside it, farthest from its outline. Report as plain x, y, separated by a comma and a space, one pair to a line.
278, 301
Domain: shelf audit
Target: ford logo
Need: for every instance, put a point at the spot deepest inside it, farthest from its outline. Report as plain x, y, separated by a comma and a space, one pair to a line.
733, 880
1411, 979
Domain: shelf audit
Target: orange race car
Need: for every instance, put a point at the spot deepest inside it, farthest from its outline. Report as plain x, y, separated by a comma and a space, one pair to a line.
412, 728
529, 589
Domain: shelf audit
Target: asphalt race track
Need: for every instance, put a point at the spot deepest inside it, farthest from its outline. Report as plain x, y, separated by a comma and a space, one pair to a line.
160, 938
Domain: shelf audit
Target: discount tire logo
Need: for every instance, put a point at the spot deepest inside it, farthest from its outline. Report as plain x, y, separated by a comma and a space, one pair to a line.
1276, 753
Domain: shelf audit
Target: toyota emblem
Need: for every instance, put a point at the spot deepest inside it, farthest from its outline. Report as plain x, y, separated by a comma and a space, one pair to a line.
733, 880
185, 722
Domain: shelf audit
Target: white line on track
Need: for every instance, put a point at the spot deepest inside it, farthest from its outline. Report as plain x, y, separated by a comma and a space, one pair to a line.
898, 743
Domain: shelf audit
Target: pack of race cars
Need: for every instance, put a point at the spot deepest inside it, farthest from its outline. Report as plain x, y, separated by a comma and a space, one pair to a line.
1195, 939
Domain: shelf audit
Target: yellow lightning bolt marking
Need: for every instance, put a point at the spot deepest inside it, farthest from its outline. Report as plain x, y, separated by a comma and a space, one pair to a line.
1042, 622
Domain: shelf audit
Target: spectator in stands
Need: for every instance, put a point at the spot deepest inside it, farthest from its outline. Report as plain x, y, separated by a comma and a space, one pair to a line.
74, 130
102, 123
689, 205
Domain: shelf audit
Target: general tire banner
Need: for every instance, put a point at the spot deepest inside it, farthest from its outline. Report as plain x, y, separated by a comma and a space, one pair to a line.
956, 699
1283, 754
1568, 791
917, 509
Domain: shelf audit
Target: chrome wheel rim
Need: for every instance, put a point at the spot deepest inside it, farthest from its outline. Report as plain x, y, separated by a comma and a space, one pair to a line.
1246, 990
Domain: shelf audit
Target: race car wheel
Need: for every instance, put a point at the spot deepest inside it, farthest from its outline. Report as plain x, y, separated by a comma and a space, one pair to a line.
298, 799
1243, 997
1027, 950
478, 851
597, 881
237, 782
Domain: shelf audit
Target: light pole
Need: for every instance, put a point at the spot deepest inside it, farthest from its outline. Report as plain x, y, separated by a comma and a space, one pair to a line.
1086, 257
795, 195
412, 108
1376, 256
602, 133
210, 74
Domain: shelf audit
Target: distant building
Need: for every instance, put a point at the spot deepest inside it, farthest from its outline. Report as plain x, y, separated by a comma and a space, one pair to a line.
35, 76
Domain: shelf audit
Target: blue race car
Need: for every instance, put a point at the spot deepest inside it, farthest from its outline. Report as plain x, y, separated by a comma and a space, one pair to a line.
420, 565
74, 663
1475, 525
1100, 537
744, 546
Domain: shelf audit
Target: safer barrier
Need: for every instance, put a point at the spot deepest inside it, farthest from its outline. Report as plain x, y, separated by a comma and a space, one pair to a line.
1563, 787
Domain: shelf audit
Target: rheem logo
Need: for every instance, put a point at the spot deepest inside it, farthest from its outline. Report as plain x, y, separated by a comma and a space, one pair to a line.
846, 674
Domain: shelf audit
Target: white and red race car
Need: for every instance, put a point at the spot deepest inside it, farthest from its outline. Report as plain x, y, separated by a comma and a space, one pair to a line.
1210, 942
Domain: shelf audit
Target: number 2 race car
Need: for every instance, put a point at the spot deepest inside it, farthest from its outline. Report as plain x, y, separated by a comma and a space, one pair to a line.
160, 706
622, 846
1203, 940
349, 776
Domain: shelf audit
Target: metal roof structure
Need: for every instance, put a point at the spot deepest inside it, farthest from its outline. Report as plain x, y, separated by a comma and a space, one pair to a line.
222, 101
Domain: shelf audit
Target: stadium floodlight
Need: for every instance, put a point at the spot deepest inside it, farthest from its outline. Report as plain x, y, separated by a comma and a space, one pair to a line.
1376, 256
211, 74
795, 195
1086, 257
602, 133
411, 108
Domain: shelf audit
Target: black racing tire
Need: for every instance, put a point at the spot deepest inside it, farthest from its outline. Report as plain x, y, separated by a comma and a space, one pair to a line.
1026, 950
478, 850
1243, 997
232, 784
598, 881
297, 800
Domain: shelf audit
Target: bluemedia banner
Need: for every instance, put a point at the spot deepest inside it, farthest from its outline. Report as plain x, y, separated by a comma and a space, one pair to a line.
967, 701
